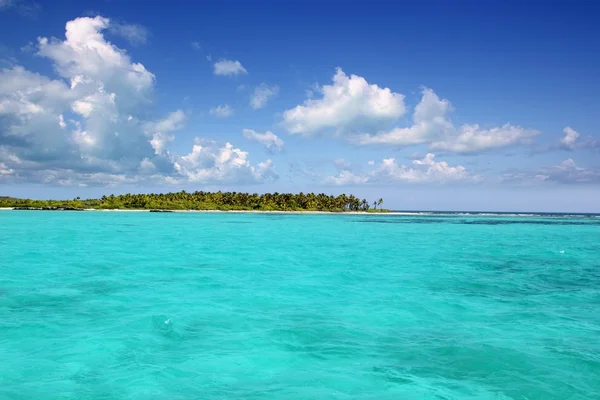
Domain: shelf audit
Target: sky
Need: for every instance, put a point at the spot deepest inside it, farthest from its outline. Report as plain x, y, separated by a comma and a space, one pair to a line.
430, 105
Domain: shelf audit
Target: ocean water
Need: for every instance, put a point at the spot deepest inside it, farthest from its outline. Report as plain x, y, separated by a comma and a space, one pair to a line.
125, 305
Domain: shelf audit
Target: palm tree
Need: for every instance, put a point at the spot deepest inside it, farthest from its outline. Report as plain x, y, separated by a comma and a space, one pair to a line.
380, 202
365, 205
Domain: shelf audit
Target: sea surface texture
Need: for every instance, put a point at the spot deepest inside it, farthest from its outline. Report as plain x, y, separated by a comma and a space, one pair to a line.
125, 305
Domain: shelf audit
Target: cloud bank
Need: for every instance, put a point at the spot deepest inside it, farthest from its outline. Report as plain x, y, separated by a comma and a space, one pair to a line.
92, 125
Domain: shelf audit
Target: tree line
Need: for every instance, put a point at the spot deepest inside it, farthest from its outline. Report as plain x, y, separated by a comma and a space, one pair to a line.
200, 200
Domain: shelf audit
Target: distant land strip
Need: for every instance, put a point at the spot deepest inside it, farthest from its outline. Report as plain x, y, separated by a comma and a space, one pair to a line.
199, 200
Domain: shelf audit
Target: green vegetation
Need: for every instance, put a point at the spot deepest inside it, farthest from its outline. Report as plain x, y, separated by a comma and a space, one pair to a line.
377, 210
207, 201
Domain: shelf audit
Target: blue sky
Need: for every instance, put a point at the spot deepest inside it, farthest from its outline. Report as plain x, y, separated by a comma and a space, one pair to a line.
462, 105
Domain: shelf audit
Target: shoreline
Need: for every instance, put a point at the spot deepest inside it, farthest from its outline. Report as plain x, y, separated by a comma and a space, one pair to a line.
217, 211
392, 213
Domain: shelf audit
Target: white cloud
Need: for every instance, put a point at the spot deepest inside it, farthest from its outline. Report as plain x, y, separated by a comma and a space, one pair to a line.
4, 170
359, 110
472, 138
429, 121
431, 126
85, 106
346, 178
209, 163
571, 136
371, 162
425, 170
162, 131
261, 95
195, 45
573, 140
272, 143
567, 172
348, 104
223, 111
93, 125
173, 122
85, 58
147, 166
524, 178
135, 34
229, 68
388, 171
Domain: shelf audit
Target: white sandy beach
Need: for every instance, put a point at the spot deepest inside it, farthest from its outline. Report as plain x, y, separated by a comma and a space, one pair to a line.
246, 211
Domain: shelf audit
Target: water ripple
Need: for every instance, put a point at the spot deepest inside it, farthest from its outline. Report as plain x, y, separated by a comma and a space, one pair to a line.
228, 306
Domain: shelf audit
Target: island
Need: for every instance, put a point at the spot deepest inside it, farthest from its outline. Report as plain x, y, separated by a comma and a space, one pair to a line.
204, 201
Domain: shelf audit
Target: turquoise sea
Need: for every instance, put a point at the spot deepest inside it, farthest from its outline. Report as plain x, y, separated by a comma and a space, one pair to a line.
126, 305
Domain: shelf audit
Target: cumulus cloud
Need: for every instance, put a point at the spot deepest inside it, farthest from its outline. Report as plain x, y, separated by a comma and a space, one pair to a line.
93, 124
349, 103
429, 121
388, 171
223, 111
269, 140
86, 59
570, 138
432, 126
135, 34
228, 68
573, 140
359, 110
209, 163
261, 95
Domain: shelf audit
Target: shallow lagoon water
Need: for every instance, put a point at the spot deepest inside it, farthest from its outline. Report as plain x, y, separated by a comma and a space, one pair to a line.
125, 305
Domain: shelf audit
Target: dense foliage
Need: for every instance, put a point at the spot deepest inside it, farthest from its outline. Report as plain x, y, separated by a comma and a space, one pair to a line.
209, 201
